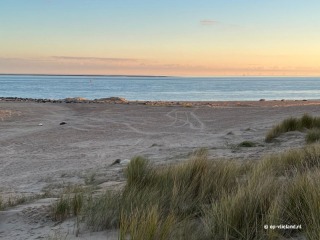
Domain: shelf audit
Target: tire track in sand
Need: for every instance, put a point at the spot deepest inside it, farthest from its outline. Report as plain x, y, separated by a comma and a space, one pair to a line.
183, 118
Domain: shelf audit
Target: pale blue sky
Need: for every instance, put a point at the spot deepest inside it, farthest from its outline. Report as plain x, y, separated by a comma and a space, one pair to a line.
185, 34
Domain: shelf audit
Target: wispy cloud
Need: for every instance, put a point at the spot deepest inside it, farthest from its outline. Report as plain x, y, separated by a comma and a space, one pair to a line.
100, 59
208, 22
31, 59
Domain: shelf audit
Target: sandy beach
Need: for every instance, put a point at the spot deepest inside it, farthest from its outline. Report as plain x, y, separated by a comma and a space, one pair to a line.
38, 155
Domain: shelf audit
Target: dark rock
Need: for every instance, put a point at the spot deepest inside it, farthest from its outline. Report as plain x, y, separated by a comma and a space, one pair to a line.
63, 123
117, 161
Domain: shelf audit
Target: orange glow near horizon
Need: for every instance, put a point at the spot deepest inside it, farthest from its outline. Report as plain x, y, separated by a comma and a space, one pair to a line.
237, 65
185, 39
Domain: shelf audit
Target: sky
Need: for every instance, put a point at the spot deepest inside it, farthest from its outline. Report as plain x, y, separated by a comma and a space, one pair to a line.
167, 37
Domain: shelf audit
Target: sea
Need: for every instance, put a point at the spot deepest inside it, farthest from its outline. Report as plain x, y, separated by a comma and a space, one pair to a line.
152, 88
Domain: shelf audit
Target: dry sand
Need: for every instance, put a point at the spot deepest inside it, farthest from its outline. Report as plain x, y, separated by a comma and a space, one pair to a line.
39, 155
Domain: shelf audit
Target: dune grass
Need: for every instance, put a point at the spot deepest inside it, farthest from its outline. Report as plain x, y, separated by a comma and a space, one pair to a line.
290, 162
247, 144
293, 124
243, 214
211, 199
302, 204
70, 203
15, 200
1, 204
160, 202
313, 135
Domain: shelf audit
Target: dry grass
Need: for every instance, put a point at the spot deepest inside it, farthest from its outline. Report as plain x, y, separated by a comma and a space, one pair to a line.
247, 144
1, 204
211, 199
293, 124
291, 162
160, 202
15, 200
242, 215
313, 135
70, 203
103, 211
302, 205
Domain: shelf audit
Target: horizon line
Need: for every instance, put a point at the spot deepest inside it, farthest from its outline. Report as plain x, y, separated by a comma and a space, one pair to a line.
151, 76
82, 75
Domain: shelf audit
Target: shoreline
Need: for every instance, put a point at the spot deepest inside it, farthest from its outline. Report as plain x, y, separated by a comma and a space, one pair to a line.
119, 100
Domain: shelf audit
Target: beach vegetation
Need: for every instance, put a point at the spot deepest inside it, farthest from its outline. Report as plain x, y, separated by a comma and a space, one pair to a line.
313, 135
61, 208
167, 197
293, 124
301, 204
205, 198
247, 144
1, 204
102, 212
291, 162
15, 200
68, 204
90, 178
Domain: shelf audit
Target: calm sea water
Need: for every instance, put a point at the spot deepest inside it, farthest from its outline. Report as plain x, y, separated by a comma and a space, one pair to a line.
160, 88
